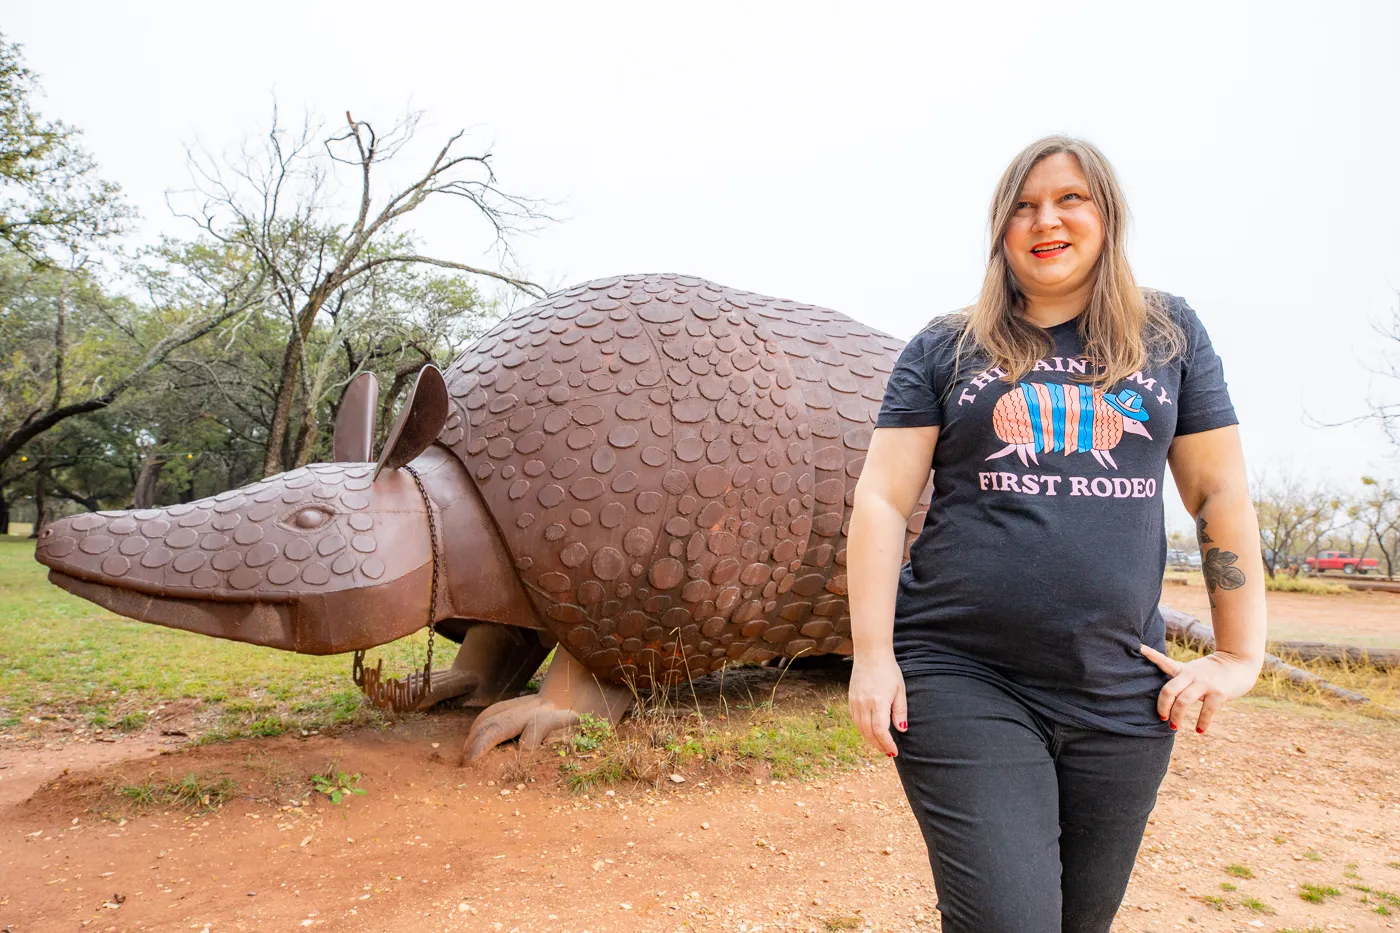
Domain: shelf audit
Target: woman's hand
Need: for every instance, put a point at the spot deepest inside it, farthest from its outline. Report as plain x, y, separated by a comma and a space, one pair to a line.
1213, 679
877, 700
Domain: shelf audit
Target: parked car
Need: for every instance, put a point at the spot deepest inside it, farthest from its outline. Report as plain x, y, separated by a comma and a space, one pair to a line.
1341, 560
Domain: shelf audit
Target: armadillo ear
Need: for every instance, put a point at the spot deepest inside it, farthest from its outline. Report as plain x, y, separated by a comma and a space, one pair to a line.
354, 423
419, 422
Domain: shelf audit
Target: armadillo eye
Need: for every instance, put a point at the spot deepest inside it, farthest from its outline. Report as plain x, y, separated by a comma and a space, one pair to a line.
311, 518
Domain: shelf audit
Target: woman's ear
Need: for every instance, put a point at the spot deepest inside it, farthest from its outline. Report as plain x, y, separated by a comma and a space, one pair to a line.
419, 421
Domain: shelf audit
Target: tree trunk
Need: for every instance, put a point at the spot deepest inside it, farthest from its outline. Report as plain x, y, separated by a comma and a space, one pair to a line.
306, 439
282, 411
39, 504
4, 513
273, 457
144, 497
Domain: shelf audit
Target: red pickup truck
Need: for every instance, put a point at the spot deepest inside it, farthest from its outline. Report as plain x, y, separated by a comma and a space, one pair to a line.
1340, 560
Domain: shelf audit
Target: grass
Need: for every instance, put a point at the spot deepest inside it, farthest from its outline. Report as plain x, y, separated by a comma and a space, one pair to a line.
1239, 871
836, 924
1227, 886
1213, 901
191, 792
63, 659
653, 745
1285, 584
1312, 855
1317, 893
1281, 583
751, 721
1385, 897
1256, 905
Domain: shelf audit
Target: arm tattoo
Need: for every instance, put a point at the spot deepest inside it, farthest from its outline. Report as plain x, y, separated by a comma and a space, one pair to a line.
1217, 565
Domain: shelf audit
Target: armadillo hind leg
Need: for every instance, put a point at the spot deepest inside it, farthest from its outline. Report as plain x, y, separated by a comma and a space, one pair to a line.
568, 691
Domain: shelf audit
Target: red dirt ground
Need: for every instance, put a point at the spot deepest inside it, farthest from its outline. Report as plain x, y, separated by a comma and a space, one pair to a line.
1361, 618
1296, 796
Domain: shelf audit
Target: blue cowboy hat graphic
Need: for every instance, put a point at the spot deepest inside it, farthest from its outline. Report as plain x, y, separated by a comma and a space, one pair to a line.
1127, 403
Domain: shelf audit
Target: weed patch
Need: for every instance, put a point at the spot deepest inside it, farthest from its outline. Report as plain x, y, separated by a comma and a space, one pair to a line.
336, 784
191, 792
1317, 893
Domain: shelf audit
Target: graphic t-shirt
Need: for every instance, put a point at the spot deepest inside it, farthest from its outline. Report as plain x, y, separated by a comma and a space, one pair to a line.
1039, 566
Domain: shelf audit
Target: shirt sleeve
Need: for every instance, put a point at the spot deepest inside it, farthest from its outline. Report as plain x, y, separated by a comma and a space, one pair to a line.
1203, 403
911, 394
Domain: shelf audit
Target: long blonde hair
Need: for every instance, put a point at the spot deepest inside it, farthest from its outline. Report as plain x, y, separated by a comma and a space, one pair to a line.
1123, 328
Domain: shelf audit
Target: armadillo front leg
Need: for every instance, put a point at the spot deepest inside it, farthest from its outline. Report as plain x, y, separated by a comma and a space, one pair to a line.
569, 690
493, 662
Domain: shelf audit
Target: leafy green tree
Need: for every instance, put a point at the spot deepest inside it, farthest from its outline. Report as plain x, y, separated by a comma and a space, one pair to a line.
69, 348
51, 199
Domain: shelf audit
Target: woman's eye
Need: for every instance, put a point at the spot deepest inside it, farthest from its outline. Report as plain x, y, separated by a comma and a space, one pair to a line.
310, 518
1071, 195
1022, 205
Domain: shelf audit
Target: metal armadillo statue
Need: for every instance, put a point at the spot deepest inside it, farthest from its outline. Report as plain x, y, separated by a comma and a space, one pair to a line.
654, 472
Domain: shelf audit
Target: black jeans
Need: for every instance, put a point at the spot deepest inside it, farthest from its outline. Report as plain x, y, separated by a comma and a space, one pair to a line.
1031, 826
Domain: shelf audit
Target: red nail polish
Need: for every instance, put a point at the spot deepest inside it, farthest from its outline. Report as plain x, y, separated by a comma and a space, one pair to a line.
1173, 727
890, 754
904, 725
1199, 729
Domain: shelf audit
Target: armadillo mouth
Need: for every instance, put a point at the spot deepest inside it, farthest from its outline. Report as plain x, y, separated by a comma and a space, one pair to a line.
259, 623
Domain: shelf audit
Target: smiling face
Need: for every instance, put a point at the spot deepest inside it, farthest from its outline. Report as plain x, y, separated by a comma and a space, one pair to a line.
1056, 232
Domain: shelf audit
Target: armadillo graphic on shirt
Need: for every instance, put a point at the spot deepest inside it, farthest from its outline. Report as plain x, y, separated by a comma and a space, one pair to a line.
1048, 417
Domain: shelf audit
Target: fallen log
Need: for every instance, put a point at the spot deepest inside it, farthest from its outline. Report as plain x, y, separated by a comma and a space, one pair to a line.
1385, 659
1185, 629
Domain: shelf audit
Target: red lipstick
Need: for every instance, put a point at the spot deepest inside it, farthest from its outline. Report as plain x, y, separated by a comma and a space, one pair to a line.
1049, 249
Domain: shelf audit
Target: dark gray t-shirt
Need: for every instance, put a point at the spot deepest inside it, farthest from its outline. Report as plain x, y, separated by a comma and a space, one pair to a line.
1039, 566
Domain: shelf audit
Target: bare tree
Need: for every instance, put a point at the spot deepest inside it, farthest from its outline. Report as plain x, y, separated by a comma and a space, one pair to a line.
1378, 510
277, 202
1384, 403
1294, 515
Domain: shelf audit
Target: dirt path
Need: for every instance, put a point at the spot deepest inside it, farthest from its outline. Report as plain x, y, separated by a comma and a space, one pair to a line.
1296, 798
1371, 618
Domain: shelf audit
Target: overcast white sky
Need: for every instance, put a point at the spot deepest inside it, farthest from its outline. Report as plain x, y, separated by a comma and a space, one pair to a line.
838, 154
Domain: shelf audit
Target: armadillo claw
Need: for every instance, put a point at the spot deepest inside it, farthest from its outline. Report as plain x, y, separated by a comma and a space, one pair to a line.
534, 719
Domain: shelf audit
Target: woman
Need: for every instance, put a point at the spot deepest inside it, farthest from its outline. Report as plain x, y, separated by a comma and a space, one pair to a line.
1019, 654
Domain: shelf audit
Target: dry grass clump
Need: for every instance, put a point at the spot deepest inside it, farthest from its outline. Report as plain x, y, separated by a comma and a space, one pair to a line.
1381, 686
744, 719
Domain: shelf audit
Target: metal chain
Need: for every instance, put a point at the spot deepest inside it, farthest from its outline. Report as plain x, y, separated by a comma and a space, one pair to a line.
397, 693
437, 562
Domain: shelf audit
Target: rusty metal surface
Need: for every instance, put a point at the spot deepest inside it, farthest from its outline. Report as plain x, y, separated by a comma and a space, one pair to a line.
655, 469
672, 463
354, 422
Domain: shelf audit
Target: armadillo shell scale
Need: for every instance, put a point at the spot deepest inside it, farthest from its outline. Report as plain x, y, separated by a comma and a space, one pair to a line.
671, 464
1011, 419
1108, 425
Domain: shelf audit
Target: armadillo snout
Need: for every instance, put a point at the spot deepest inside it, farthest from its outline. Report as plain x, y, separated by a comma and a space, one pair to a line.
312, 532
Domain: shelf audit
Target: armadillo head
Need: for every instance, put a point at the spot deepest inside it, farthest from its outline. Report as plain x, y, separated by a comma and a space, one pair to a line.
1135, 427
327, 558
